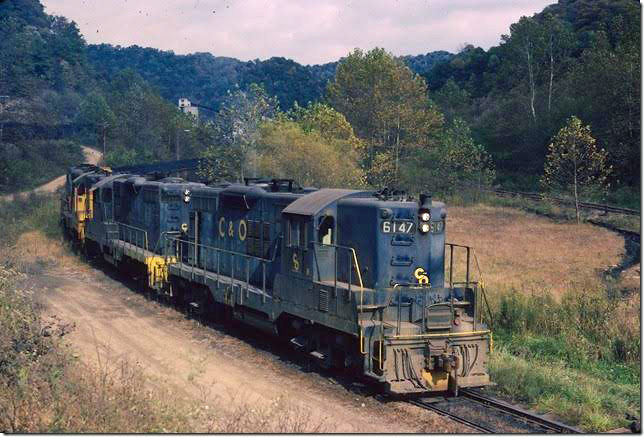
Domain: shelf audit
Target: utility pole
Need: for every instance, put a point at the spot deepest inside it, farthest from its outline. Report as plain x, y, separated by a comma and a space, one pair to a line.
2, 99
105, 126
176, 145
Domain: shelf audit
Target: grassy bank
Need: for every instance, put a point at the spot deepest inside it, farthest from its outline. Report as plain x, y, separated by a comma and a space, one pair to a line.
563, 213
45, 388
28, 213
594, 403
567, 339
577, 357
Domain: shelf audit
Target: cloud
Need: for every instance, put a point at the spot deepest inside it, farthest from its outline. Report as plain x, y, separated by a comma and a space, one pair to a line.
308, 31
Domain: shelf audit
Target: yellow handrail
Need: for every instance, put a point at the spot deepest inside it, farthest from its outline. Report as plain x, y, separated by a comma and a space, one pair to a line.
447, 334
363, 349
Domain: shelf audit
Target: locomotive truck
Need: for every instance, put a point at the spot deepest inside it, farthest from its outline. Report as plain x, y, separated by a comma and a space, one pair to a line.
360, 280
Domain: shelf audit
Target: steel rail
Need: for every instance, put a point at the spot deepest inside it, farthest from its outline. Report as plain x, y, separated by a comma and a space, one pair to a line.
452, 416
585, 205
498, 405
549, 424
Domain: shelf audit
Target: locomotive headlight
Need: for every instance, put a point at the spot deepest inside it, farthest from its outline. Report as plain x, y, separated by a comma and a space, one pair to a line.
424, 228
425, 217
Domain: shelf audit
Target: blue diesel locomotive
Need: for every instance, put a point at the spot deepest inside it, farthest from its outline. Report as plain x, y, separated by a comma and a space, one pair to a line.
360, 280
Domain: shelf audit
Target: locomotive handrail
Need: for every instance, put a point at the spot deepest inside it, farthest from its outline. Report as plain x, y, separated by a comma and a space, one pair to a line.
222, 250
487, 305
354, 261
139, 243
219, 251
479, 283
131, 228
399, 309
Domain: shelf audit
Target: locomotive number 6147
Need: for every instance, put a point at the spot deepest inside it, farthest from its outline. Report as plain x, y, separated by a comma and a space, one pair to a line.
398, 227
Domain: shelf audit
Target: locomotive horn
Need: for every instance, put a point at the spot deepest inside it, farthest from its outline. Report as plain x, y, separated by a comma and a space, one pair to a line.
425, 200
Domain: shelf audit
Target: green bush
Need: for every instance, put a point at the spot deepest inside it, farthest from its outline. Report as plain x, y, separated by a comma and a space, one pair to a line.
27, 165
583, 327
625, 197
29, 212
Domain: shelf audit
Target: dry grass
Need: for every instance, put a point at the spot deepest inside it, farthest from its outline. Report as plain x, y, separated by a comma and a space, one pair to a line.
35, 247
530, 253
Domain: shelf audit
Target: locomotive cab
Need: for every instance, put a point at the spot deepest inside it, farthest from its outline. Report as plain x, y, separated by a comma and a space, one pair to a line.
385, 259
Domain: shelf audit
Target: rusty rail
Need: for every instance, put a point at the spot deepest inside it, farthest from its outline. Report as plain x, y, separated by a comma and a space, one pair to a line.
583, 205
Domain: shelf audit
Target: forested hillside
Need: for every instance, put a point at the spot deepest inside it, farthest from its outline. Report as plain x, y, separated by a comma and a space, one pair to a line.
576, 57
437, 121
52, 100
43, 73
206, 79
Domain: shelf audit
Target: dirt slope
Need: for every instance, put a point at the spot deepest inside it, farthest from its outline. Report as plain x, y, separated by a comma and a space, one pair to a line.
91, 156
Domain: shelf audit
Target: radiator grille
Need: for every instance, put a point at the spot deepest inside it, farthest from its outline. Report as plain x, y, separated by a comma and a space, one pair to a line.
324, 300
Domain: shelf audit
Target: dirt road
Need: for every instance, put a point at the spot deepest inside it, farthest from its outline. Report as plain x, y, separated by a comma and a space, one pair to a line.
209, 364
91, 156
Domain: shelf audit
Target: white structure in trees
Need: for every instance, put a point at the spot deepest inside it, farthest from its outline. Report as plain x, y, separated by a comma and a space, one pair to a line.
186, 107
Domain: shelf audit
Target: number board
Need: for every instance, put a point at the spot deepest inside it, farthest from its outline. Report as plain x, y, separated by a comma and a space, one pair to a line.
397, 227
436, 227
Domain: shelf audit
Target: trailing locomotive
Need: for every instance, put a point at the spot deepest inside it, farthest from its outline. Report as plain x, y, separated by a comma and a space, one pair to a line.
357, 279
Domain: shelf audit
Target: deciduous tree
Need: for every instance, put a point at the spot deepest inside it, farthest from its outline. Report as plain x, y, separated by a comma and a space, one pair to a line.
387, 105
96, 115
329, 123
288, 151
574, 164
237, 131
455, 163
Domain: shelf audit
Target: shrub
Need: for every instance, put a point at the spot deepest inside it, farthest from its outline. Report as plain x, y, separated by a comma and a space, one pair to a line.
586, 325
32, 163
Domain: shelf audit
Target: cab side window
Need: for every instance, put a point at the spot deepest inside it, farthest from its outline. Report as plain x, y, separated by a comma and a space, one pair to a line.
325, 234
297, 234
293, 233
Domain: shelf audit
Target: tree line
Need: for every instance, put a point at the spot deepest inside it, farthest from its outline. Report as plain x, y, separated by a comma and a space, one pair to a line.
437, 121
576, 57
375, 127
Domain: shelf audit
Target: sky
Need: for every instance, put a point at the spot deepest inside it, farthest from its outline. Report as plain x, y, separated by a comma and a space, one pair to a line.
307, 31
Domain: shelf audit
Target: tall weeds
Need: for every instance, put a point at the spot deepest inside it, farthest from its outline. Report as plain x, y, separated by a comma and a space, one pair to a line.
578, 357
587, 322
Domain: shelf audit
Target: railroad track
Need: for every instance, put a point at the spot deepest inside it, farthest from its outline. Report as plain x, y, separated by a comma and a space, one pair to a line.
455, 417
489, 415
583, 205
